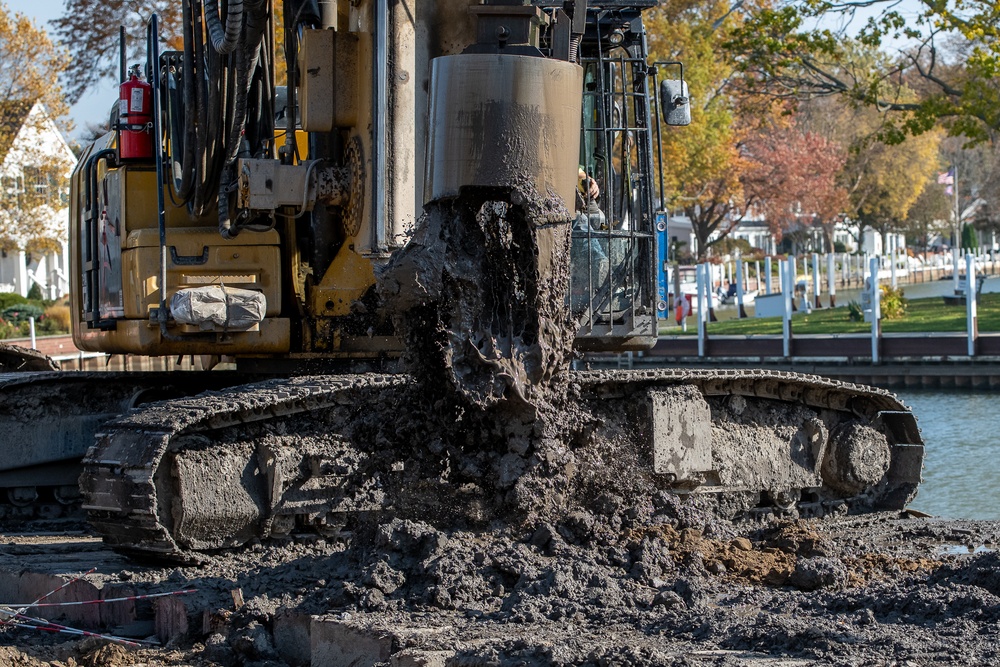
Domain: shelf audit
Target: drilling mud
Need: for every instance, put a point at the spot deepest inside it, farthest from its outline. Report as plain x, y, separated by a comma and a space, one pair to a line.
482, 541
480, 293
478, 541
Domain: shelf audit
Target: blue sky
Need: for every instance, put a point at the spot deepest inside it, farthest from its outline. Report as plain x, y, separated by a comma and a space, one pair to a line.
96, 104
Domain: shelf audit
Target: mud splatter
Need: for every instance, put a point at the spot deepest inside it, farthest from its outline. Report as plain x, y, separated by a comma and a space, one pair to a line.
480, 294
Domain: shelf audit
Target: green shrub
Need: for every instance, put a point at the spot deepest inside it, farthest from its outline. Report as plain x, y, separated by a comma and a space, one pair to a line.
8, 330
8, 299
838, 246
58, 318
35, 292
855, 312
970, 239
21, 312
893, 303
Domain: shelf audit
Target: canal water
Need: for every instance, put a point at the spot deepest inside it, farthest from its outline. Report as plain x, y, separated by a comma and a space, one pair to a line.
961, 432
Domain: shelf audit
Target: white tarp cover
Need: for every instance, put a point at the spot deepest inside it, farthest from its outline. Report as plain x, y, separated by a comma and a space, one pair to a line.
218, 306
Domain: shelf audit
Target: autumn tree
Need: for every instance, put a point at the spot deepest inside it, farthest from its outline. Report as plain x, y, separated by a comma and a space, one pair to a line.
805, 49
884, 180
90, 29
796, 181
705, 163
34, 171
978, 183
930, 215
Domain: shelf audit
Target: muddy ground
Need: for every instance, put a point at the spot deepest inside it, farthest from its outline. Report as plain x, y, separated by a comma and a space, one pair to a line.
870, 590
531, 532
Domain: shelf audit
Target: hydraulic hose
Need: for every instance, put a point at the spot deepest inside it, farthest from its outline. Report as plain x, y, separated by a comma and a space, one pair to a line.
220, 103
224, 40
247, 58
187, 113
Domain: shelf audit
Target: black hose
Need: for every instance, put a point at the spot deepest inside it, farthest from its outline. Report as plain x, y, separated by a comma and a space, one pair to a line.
188, 112
224, 40
177, 146
247, 59
216, 83
221, 101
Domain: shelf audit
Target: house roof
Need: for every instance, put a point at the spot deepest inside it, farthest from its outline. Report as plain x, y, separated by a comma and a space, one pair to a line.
13, 114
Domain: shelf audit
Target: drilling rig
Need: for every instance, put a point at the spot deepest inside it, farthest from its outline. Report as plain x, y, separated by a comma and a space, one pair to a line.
411, 187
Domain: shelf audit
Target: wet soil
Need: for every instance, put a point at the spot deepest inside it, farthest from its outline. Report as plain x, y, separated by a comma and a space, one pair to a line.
884, 589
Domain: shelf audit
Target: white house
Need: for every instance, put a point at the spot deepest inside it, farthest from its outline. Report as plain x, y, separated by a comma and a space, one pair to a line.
34, 158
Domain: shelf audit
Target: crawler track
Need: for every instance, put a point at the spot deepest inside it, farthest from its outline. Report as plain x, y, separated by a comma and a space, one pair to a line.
120, 479
144, 478
48, 421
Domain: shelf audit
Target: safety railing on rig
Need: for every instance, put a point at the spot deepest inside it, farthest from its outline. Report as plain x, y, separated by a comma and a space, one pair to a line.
612, 282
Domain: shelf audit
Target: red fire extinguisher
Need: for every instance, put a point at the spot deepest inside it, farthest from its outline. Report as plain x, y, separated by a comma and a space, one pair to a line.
135, 118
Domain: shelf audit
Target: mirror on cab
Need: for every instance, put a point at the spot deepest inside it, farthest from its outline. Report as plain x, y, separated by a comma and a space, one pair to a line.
675, 102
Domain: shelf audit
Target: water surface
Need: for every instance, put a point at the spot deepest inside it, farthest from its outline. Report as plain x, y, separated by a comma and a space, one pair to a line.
961, 432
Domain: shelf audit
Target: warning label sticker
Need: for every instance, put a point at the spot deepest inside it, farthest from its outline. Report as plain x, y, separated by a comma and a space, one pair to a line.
136, 105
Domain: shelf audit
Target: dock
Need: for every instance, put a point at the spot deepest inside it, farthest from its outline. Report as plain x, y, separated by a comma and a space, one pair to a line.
906, 361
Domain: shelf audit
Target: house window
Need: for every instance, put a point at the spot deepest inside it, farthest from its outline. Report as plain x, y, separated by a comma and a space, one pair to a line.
13, 185
37, 179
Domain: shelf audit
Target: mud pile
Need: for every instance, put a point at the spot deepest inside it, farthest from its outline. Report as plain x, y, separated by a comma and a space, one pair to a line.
506, 545
851, 591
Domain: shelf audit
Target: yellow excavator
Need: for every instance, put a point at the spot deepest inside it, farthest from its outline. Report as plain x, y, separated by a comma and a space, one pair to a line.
411, 189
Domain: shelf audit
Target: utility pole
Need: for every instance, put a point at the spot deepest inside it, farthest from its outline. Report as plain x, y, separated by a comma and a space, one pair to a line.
958, 214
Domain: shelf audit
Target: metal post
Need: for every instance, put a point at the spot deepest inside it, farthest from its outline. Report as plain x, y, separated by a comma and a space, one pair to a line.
787, 288
380, 102
876, 310
756, 273
817, 285
704, 278
31, 327
153, 55
831, 278
739, 289
971, 323
893, 257
954, 272
767, 276
662, 269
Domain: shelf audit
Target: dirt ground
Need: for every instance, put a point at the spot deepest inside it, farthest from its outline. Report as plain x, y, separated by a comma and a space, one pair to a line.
868, 590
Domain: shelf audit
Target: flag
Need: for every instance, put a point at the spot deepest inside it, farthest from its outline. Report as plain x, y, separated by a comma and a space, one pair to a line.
946, 177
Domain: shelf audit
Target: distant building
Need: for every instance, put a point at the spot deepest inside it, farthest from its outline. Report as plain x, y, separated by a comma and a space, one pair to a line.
680, 231
35, 165
757, 232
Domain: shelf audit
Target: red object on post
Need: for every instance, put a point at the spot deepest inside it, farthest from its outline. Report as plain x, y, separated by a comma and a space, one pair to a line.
135, 119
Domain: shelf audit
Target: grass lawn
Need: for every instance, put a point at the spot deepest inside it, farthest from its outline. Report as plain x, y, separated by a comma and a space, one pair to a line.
922, 315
